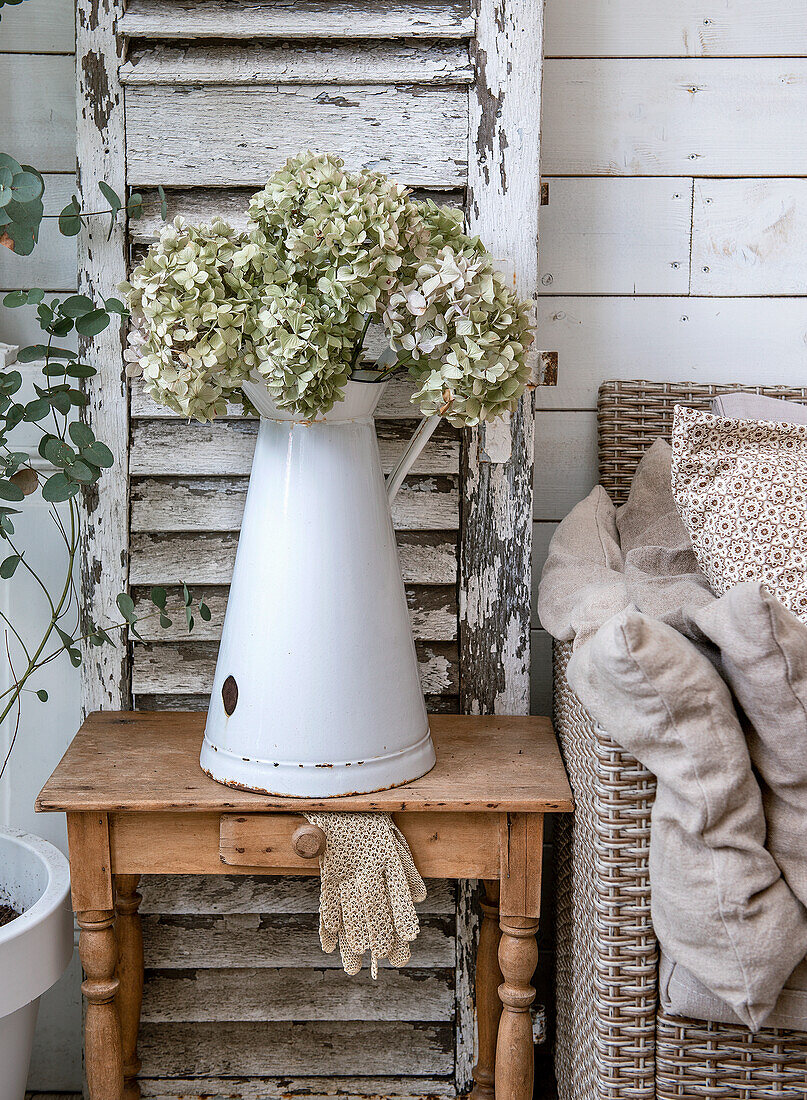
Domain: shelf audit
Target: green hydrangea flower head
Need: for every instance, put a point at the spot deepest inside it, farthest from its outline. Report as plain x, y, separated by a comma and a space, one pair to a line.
326, 253
191, 311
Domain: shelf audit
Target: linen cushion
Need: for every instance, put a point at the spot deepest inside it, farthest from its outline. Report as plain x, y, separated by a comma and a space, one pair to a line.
755, 406
681, 994
662, 577
582, 584
719, 904
763, 651
741, 488
649, 517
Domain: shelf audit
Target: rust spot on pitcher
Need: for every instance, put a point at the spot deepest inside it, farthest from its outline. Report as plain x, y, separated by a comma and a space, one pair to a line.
229, 695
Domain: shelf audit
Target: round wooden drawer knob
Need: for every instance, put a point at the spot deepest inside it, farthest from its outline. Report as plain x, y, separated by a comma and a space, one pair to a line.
308, 841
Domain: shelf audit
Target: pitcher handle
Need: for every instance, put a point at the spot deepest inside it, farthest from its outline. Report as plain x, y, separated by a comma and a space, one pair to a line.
423, 433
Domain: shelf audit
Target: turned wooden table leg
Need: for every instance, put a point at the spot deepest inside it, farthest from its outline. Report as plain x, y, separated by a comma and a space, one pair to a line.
518, 957
488, 1005
130, 975
521, 847
102, 1045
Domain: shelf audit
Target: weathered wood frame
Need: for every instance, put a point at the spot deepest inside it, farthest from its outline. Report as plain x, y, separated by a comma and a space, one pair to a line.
504, 196
503, 192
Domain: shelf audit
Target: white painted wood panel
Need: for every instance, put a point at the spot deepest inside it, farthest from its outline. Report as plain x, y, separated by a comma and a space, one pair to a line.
38, 116
187, 668
227, 136
565, 461
433, 611
217, 504
249, 940
255, 63
294, 19
282, 1088
682, 339
44, 27
285, 993
683, 28
162, 447
615, 236
395, 403
704, 117
52, 264
750, 236
208, 559
201, 204
315, 1047
231, 895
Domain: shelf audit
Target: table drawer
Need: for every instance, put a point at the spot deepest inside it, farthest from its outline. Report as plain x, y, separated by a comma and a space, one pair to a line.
448, 845
442, 844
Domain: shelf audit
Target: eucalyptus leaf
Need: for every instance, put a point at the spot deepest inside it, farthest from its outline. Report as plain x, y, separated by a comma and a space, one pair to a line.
126, 607
76, 305
58, 488
27, 480
99, 454
69, 220
10, 491
90, 324
82, 472
111, 196
8, 566
158, 597
37, 410
42, 695
81, 435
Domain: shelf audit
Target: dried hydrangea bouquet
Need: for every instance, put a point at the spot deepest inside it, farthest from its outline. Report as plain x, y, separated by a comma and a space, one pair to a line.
326, 253
316, 690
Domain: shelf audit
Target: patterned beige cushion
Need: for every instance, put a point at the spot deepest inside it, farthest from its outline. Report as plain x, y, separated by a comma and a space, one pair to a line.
741, 488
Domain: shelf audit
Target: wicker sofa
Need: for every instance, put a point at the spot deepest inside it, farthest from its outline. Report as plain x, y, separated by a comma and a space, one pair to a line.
613, 1038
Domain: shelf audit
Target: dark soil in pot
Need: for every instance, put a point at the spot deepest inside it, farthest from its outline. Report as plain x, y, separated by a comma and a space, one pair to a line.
7, 915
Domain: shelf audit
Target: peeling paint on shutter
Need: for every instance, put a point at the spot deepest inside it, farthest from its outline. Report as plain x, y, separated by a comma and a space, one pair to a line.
209, 98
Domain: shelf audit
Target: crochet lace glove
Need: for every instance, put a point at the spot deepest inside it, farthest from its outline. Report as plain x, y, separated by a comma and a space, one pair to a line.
368, 887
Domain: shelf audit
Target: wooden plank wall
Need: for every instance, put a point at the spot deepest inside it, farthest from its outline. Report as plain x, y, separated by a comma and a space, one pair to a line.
673, 245
239, 997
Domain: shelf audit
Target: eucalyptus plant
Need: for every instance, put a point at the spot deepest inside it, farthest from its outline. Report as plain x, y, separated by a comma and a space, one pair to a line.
326, 253
69, 446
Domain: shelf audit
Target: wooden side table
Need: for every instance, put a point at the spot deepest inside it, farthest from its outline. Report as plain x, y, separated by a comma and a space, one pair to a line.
138, 803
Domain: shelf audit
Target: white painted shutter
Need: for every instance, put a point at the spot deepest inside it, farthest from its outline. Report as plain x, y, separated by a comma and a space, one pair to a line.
208, 99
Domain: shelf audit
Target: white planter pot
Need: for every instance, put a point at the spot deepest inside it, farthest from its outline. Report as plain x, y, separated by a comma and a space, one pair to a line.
35, 949
316, 691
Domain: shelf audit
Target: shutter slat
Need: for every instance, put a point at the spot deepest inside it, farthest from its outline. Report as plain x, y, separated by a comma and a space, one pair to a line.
284, 993
289, 19
311, 1047
187, 668
429, 503
433, 611
252, 63
238, 136
161, 447
208, 559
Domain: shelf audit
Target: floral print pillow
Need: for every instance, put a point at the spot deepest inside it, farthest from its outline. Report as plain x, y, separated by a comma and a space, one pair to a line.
741, 489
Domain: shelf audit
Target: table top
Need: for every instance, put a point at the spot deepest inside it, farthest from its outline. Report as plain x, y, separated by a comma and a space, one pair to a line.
149, 761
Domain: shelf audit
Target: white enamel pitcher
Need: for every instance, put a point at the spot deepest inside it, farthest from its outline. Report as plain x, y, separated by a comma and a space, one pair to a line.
316, 692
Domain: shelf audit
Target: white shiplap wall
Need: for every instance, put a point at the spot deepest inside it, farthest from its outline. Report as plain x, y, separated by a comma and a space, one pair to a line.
674, 245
